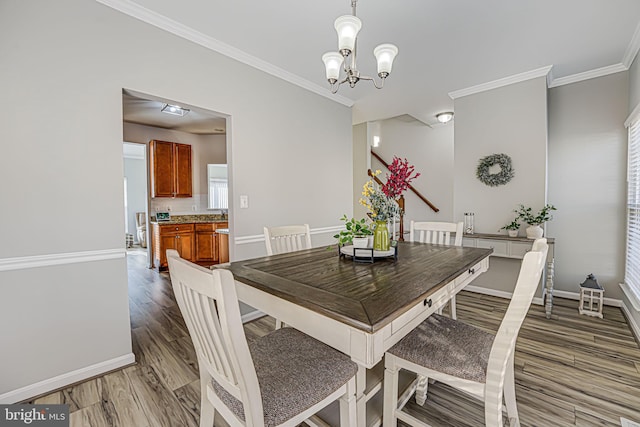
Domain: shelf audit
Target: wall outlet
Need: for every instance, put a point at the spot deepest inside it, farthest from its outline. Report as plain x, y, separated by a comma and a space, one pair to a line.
244, 202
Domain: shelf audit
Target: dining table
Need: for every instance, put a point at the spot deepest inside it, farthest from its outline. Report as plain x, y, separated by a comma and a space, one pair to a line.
360, 306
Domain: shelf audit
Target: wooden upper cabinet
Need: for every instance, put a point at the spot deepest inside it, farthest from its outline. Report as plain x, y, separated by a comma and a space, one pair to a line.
171, 169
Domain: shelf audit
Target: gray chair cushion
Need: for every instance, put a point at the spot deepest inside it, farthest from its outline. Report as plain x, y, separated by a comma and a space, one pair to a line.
449, 346
294, 371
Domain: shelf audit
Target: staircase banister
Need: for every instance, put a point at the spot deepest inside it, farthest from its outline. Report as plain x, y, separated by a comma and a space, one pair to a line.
416, 192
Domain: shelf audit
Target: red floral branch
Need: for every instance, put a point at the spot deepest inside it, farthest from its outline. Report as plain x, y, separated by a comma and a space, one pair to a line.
400, 176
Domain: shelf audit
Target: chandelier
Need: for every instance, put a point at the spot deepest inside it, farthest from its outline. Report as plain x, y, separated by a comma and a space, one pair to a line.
347, 27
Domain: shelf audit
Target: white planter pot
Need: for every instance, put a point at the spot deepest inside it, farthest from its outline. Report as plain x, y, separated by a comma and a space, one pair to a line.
534, 232
361, 242
513, 233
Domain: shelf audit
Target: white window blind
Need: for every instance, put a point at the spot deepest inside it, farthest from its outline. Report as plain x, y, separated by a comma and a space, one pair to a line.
218, 194
632, 266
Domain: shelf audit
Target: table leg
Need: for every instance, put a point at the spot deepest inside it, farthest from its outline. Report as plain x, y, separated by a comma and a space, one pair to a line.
548, 303
361, 399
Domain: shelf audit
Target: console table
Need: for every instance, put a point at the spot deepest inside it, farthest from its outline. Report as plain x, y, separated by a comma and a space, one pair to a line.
515, 247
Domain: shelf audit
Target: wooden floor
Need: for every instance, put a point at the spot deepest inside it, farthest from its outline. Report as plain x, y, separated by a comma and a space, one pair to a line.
571, 370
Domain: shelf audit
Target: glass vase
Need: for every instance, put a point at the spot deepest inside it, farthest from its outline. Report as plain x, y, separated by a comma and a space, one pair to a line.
381, 236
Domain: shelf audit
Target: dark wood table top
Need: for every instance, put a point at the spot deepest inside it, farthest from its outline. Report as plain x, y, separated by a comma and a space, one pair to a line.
365, 296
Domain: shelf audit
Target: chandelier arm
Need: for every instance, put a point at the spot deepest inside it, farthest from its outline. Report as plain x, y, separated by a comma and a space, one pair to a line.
373, 80
336, 86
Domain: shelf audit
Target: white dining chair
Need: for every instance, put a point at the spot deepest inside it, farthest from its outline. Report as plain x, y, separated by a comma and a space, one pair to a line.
438, 233
287, 238
464, 357
281, 379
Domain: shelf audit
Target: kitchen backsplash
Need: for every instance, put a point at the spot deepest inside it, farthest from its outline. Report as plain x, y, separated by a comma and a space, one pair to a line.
181, 206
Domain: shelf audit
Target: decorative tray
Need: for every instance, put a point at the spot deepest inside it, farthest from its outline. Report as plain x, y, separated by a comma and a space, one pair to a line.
367, 254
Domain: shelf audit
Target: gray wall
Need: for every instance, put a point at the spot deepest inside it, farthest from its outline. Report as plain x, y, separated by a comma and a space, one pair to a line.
431, 152
587, 181
65, 168
510, 120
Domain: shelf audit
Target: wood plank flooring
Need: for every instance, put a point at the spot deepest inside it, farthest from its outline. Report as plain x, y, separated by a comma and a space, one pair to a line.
571, 370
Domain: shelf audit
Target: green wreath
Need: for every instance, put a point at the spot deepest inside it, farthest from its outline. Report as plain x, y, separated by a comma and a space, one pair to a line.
495, 179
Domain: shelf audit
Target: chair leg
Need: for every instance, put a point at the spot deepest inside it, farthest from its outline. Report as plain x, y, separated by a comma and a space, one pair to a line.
348, 405
421, 390
389, 418
207, 410
278, 323
510, 395
452, 307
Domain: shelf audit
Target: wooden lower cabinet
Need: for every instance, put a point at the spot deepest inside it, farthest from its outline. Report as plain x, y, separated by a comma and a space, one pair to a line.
197, 242
206, 243
172, 236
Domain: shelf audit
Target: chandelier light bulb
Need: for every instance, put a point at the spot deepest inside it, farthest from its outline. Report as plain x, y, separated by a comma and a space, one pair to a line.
385, 54
332, 62
347, 27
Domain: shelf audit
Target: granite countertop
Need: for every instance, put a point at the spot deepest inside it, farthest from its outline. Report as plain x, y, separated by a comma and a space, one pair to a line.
189, 219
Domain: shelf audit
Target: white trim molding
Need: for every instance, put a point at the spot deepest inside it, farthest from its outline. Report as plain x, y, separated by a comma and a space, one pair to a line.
506, 81
488, 291
252, 315
587, 75
257, 238
632, 48
633, 298
60, 381
164, 23
20, 263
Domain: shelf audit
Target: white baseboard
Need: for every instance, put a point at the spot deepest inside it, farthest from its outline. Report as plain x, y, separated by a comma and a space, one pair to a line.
253, 315
60, 381
576, 296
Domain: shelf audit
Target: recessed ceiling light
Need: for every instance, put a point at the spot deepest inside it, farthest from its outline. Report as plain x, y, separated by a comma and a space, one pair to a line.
175, 110
444, 117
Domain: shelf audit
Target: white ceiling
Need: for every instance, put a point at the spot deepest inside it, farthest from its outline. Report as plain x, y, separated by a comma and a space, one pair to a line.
445, 45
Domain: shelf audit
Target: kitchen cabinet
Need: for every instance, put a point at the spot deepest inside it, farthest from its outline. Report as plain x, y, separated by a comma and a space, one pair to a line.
172, 236
171, 172
208, 242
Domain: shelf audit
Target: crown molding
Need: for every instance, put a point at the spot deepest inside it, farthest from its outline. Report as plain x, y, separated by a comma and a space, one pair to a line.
591, 74
632, 49
506, 81
160, 21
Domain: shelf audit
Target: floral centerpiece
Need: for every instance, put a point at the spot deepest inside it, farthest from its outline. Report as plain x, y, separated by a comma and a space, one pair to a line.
381, 200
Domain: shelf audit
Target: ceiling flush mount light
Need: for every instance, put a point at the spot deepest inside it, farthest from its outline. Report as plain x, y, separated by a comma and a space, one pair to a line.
175, 110
347, 27
444, 117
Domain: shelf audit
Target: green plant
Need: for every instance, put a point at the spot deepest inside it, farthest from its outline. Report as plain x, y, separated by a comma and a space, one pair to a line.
526, 214
353, 228
513, 225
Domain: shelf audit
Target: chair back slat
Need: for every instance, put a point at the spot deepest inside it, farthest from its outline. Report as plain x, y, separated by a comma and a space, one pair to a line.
209, 305
503, 348
287, 238
438, 233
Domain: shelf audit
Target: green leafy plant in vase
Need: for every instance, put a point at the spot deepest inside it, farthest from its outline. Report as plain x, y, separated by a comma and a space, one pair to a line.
525, 214
512, 228
356, 232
